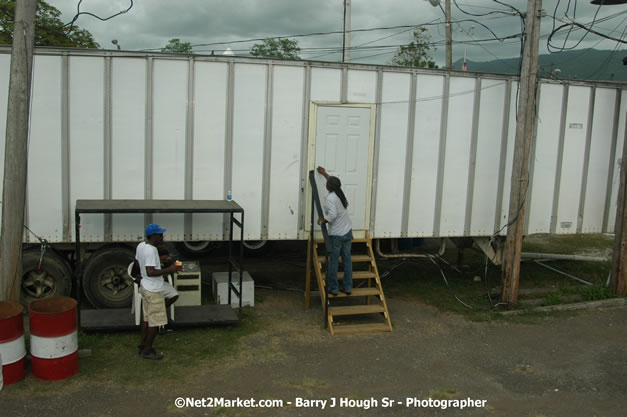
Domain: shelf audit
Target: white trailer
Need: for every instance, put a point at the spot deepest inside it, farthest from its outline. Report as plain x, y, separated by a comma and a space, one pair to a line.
421, 153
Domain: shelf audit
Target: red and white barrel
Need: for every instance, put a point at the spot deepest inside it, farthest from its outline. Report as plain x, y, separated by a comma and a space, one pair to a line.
12, 349
53, 338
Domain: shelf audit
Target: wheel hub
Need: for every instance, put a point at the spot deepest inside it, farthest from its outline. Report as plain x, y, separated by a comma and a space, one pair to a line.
38, 283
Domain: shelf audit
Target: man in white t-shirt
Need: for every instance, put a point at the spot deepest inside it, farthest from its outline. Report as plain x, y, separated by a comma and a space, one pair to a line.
151, 289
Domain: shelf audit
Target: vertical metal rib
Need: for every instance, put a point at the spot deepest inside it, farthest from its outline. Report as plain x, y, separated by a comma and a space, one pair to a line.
108, 147
409, 155
344, 87
189, 148
441, 156
560, 157
586, 161
612, 162
377, 145
473, 156
65, 147
148, 156
228, 146
503, 159
303, 146
267, 151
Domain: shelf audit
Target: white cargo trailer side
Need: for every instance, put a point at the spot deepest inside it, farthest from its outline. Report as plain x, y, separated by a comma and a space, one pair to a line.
423, 153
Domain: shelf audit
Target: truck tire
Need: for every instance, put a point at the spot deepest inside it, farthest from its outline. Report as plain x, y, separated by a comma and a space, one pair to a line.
256, 247
53, 279
195, 249
105, 279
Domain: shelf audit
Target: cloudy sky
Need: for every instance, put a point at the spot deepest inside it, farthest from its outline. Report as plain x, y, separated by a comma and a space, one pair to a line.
379, 26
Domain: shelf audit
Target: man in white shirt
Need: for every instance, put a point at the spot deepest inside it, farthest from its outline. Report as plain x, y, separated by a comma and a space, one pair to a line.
151, 289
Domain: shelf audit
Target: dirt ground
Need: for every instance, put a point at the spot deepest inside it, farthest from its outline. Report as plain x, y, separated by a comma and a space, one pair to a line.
567, 365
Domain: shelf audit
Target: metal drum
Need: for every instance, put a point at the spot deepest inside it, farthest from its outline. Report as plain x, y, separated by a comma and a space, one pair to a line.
12, 349
53, 338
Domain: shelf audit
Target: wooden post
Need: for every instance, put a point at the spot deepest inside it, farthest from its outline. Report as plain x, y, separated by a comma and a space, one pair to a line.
449, 35
520, 172
618, 281
346, 44
15, 154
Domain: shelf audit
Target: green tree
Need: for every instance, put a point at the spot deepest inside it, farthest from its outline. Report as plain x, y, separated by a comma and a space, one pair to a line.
175, 45
416, 54
276, 48
49, 30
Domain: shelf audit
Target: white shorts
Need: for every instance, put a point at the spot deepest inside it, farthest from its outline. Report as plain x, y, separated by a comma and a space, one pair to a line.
168, 290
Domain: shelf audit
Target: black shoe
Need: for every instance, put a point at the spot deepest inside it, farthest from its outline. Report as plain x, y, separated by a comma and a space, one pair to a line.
140, 349
152, 355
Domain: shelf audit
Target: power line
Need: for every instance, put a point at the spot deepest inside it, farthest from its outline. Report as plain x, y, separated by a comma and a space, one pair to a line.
104, 19
337, 32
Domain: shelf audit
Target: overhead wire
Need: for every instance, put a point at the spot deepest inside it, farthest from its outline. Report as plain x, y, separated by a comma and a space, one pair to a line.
103, 19
572, 25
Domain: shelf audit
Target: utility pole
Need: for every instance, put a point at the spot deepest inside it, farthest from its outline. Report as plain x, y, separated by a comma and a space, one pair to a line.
15, 154
449, 35
346, 45
525, 121
449, 31
618, 281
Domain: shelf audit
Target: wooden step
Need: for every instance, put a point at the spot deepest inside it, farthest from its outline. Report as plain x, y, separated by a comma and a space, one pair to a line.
361, 328
354, 258
359, 240
357, 292
356, 275
358, 309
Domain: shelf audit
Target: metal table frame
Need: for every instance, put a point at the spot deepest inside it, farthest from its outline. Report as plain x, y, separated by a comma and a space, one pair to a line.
164, 206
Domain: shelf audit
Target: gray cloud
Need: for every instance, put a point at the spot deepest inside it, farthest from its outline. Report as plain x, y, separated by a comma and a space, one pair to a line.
151, 23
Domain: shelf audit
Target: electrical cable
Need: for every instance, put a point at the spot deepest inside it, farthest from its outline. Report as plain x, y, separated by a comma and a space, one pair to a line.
573, 25
103, 19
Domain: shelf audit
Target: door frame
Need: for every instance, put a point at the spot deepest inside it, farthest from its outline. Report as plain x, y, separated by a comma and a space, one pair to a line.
311, 160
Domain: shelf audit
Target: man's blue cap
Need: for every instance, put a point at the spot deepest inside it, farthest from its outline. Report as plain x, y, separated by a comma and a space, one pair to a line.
154, 229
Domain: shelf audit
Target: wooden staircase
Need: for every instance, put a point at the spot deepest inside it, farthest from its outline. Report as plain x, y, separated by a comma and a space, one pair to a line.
367, 298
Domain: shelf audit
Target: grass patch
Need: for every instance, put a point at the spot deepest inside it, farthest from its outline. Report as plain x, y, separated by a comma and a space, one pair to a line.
469, 284
444, 394
596, 292
114, 356
569, 244
552, 299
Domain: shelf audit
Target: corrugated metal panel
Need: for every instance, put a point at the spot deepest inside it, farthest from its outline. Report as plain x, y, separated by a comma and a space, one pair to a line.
287, 124
128, 132
326, 84
545, 158
136, 126
424, 177
168, 148
573, 159
458, 138
361, 86
599, 159
394, 111
248, 143
210, 120
489, 145
45, 196
86, 135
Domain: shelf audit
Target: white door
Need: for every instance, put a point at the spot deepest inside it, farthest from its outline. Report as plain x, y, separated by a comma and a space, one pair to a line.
343, 149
